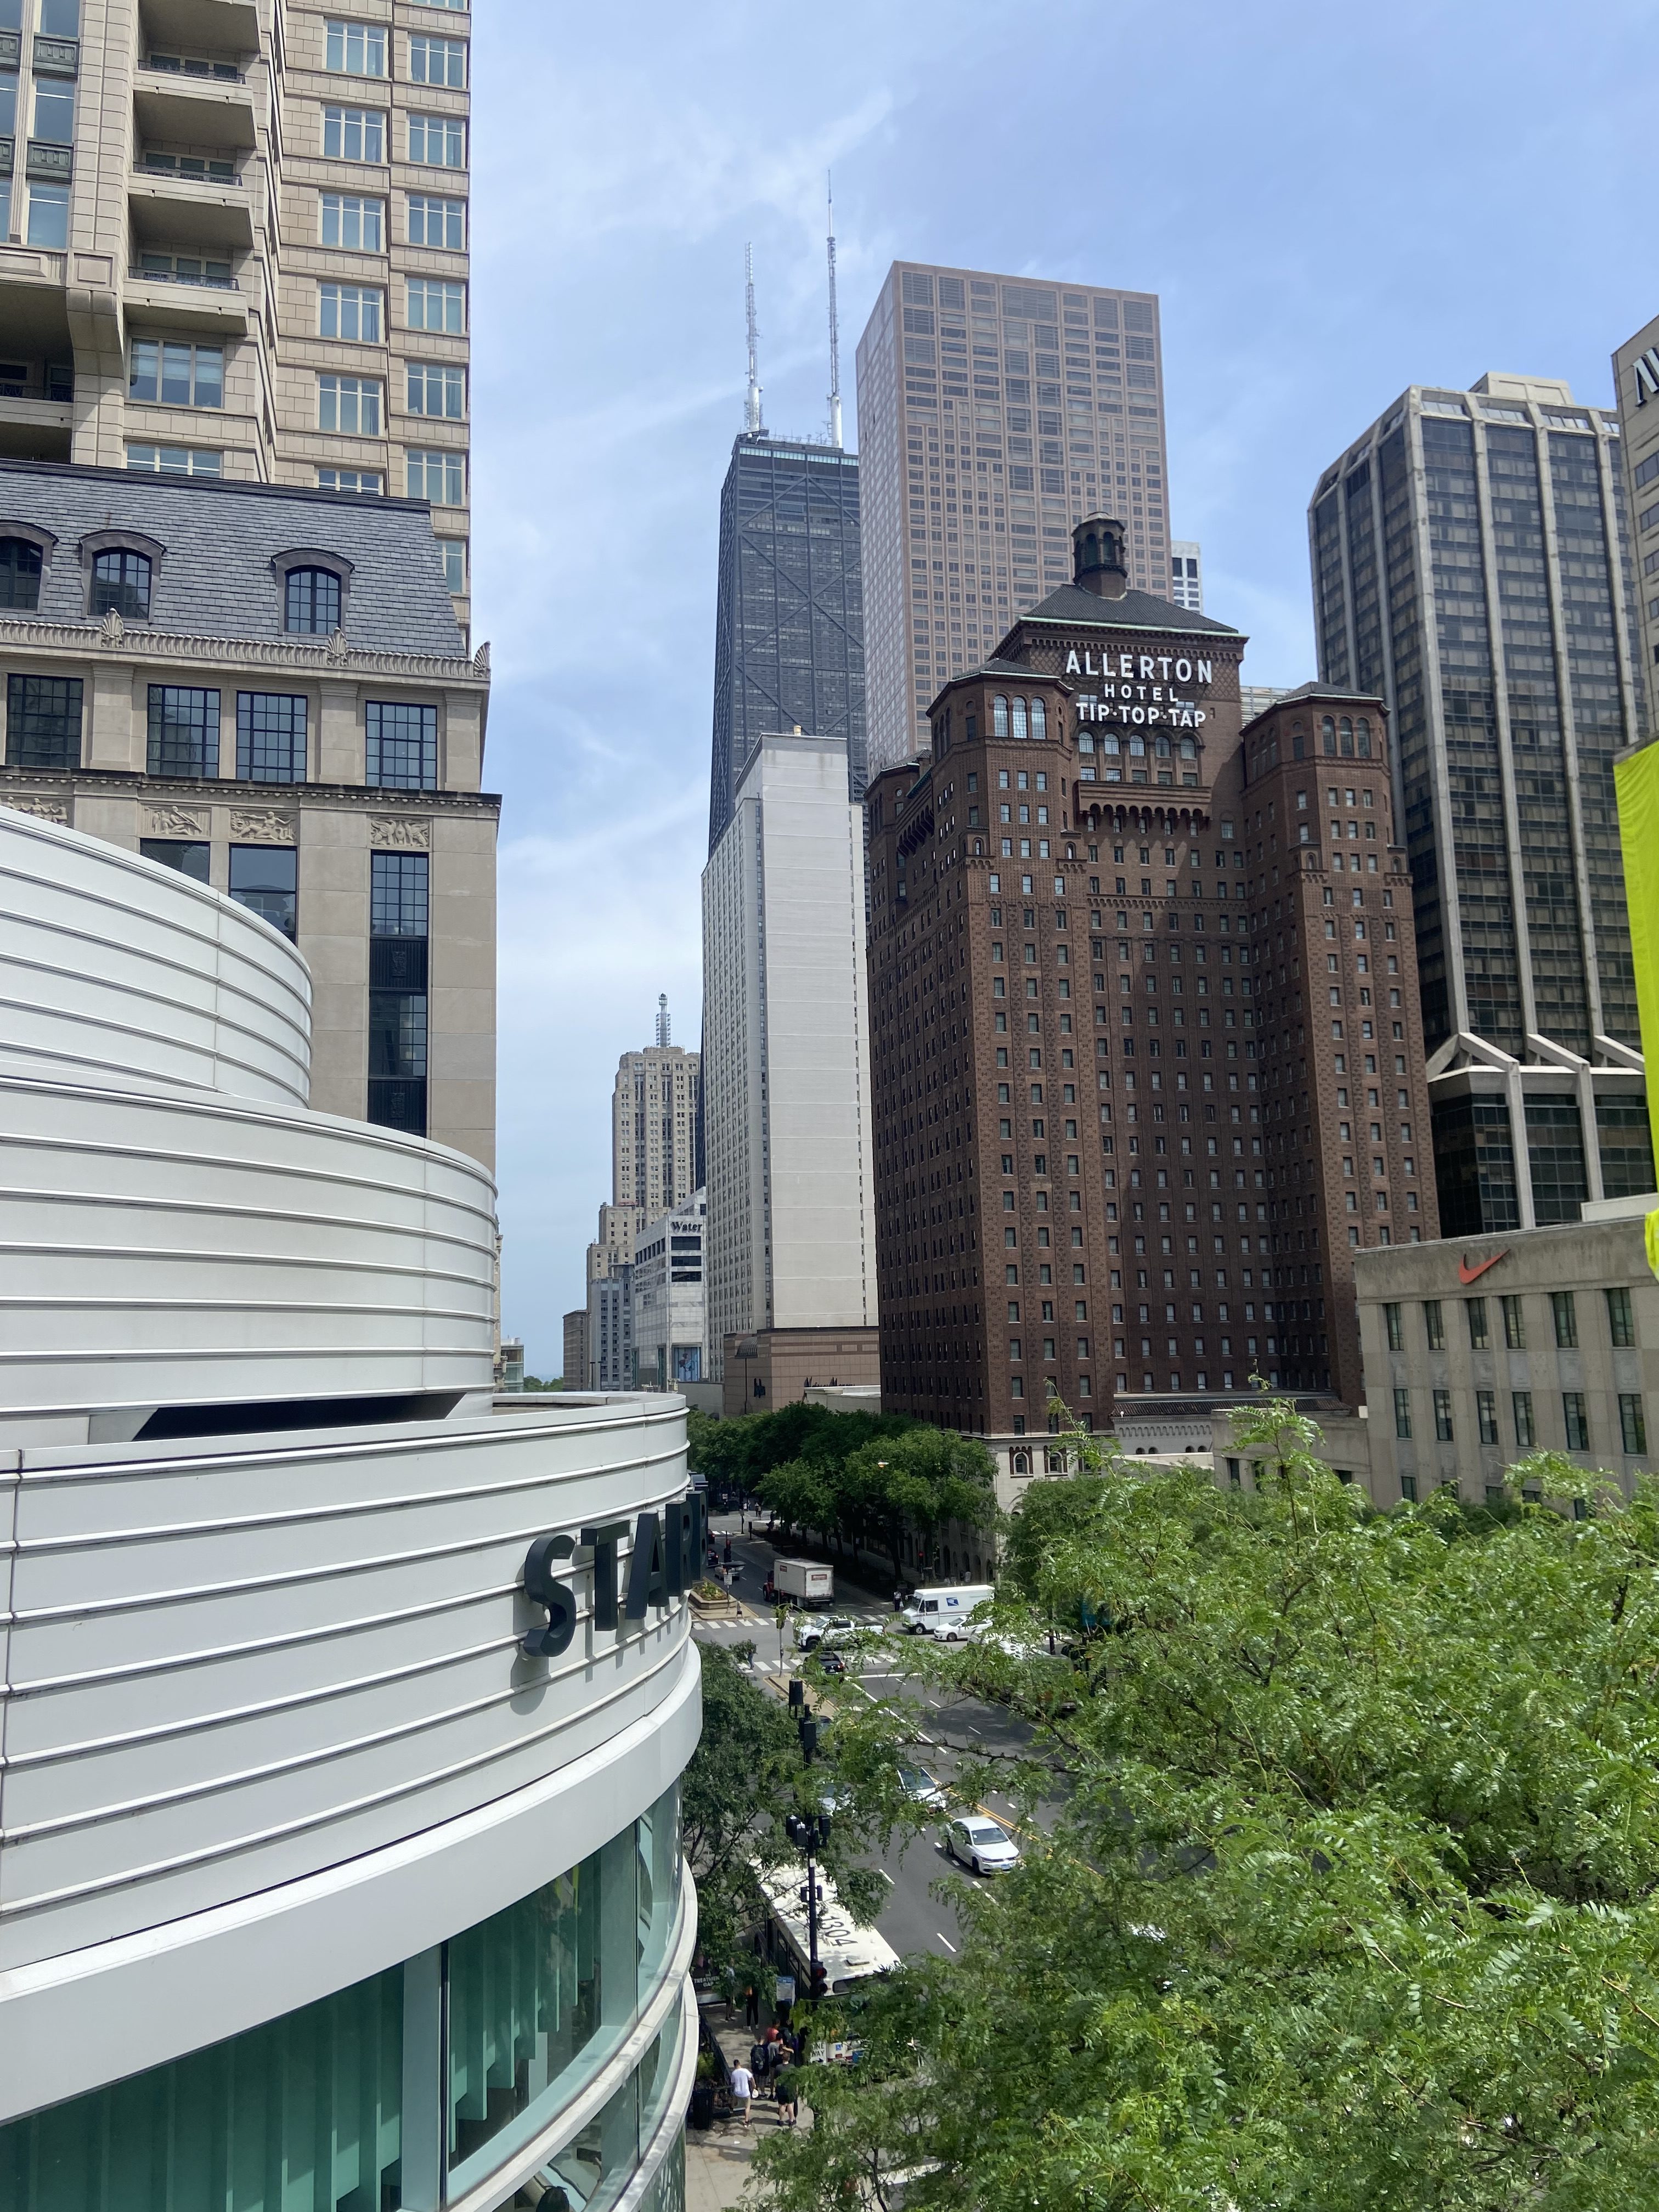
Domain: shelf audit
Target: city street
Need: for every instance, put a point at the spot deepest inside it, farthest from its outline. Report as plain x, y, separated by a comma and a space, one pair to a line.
914, 1919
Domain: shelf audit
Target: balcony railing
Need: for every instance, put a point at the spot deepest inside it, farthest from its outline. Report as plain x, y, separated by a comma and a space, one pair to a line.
186, 65
192, 167
143, 276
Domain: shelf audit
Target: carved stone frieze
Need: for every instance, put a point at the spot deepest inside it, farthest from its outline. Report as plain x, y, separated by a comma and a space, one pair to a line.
174, 821
391, 835
43, 810
261, 827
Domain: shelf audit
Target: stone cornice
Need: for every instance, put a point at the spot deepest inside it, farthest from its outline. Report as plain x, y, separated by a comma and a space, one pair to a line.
117, 641
228, 791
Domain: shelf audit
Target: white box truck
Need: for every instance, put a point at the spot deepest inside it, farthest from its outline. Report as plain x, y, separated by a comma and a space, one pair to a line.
944, 1612
804, 1582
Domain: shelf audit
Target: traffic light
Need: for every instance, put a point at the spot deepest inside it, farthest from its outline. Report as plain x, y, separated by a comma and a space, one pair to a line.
809, 1739
796, 1695
795, 1828
818, 1988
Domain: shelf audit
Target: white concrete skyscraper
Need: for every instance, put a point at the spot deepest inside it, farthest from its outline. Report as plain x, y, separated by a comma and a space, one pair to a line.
790, 1245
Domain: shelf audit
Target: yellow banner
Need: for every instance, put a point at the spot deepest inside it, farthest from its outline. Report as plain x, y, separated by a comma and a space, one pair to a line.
1636, 781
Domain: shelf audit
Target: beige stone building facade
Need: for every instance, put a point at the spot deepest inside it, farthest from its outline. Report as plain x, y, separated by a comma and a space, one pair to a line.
655, 1147
234, 242
1479, 1351
268, 690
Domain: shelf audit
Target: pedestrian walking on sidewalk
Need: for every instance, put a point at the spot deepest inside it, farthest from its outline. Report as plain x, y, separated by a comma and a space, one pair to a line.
743, 2089
788, 2099
751, 2007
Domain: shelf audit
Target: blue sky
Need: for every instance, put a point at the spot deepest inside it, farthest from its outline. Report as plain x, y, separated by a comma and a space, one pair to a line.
1331, 202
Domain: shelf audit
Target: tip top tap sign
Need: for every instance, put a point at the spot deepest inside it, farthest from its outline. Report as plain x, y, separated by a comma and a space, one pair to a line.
1140, 690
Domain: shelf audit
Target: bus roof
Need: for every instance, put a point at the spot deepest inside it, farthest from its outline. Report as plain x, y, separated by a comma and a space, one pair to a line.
847, 1951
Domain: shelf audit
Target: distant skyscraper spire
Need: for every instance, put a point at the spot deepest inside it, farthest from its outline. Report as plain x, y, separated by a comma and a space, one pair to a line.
835, 326
751, 413
662, 1018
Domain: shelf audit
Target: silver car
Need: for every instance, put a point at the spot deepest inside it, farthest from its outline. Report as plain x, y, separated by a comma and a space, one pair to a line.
921, 1787
982, 1846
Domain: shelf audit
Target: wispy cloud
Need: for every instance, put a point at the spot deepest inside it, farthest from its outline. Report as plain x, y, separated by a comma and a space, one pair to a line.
1331, 204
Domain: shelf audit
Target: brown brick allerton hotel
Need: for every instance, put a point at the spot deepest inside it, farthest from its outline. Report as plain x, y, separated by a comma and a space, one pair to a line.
1147, 1058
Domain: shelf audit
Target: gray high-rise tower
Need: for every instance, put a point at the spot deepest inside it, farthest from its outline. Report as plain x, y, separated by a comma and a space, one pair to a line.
1470, 564
789, 625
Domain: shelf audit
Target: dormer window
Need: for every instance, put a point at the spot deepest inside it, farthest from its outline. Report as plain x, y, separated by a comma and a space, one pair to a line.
20, 575
120, 584
311, 606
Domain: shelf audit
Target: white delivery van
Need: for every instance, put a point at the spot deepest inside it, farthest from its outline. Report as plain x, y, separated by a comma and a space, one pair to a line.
944, 1612
804, 1582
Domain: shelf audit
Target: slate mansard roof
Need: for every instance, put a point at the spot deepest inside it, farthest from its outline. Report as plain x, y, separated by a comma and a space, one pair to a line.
217, 579
1077, 608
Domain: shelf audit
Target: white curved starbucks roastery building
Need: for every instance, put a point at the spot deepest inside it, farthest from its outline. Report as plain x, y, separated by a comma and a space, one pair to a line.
317, 1888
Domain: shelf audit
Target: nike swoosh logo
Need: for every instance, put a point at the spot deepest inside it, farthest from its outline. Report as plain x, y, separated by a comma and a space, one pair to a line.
1468, 1274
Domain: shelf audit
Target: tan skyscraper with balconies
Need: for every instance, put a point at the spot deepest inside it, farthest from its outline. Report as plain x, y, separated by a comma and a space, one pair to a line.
234, 244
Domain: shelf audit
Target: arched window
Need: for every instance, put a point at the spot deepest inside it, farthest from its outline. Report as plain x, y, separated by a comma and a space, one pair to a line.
1022, 1462
312, 603
1039, 719
1364, 738
1161, 746
20, 575
998, 718
1109, 743
1327, 732
120, 584
1298, 740
1188, 749
1347, 739
1019, 718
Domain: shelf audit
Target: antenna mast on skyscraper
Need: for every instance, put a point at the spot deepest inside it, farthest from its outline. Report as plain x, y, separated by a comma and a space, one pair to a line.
751, 413
662, 1017
834, 326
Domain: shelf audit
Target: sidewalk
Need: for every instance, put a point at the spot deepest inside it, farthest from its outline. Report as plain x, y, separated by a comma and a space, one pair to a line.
718, 2159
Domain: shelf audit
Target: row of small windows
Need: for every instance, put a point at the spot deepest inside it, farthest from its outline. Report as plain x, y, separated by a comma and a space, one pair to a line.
355, 310
45, 714
360, 50
1575, 1422
1340, 737
172, 373
1564, 1317
121, 581
357, 224
1015, 719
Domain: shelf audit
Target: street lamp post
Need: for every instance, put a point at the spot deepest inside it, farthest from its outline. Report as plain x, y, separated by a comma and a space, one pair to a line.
809, 1832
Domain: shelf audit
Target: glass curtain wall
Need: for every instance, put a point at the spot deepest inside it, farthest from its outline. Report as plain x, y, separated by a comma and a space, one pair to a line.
306, 2111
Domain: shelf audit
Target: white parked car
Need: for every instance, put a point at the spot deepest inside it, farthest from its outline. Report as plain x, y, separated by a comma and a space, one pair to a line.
983, 1846
809, 1634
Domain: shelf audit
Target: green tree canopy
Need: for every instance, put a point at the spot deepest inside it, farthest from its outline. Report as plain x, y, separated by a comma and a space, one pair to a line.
921, 1479
745, 1777
1351, 1905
